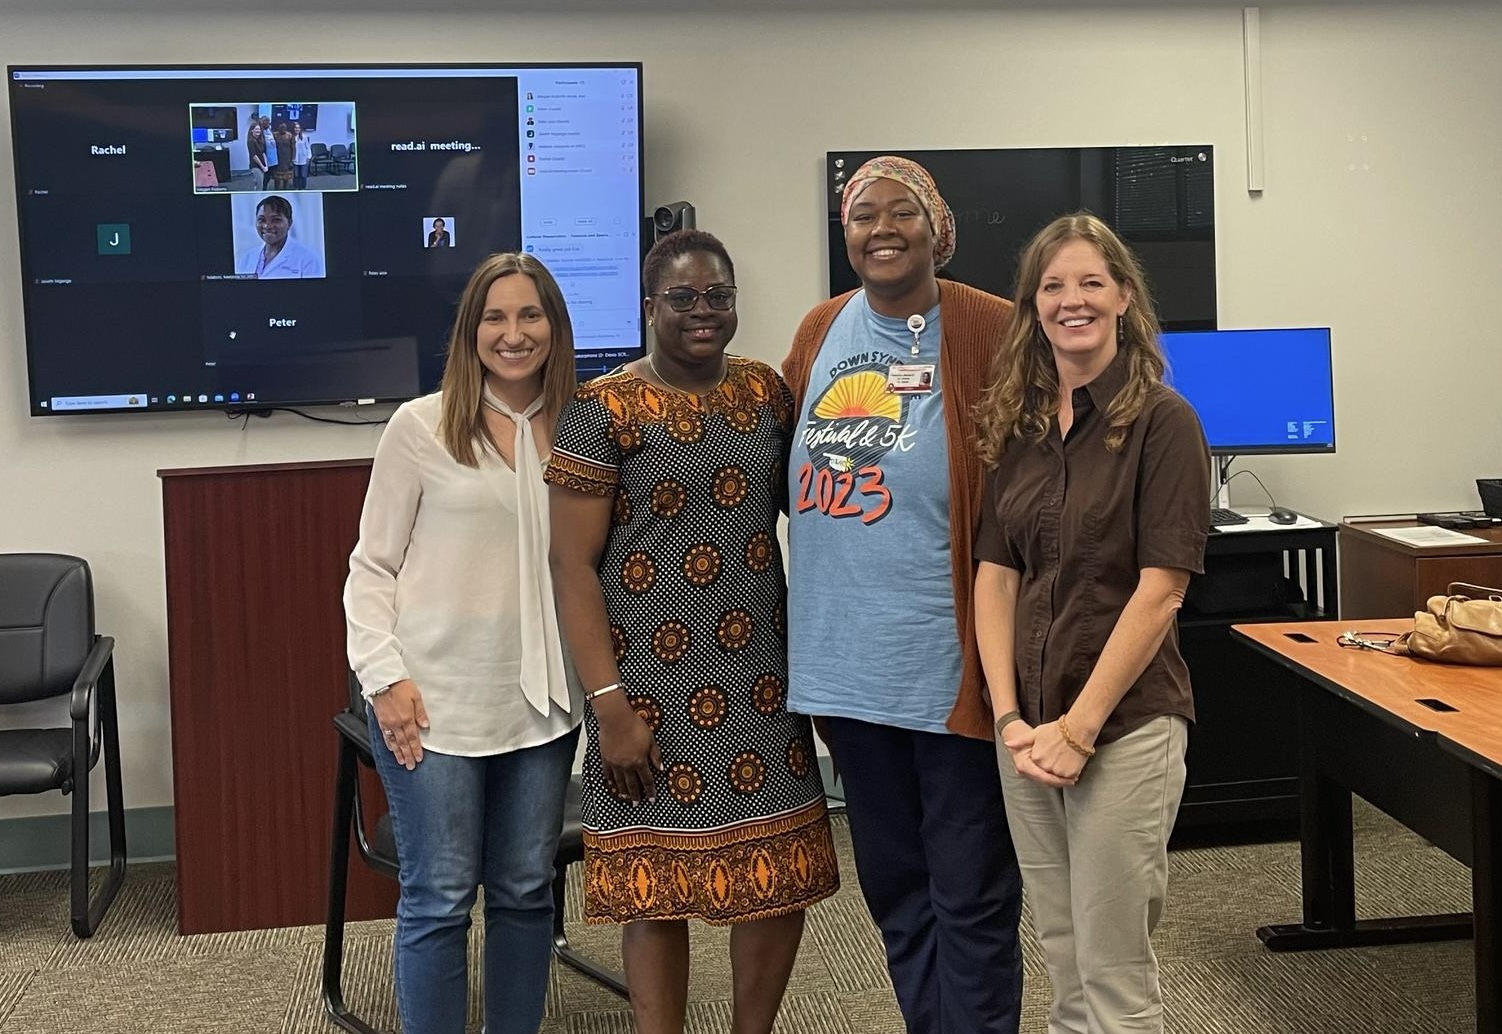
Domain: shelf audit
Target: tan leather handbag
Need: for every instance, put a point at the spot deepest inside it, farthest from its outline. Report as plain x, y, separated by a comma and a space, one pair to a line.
1463, 627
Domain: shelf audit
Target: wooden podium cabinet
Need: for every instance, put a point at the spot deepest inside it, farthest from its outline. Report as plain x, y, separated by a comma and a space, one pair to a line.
256, 558
1381, 577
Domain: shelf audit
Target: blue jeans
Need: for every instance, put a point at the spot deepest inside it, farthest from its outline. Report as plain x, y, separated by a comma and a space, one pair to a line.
300, 177
460, 822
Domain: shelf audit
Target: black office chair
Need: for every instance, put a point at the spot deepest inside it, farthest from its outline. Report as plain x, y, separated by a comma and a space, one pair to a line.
48, 649
341, 158
379, 852
318, 158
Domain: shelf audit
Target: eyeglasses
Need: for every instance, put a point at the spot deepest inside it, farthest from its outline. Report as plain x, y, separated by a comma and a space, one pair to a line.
683, 299
1368, 640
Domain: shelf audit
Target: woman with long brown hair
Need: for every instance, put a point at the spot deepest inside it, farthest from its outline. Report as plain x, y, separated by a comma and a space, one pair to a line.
454, 638
1095, 514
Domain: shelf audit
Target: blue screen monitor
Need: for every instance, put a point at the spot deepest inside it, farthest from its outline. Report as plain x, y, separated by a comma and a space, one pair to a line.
1256, 392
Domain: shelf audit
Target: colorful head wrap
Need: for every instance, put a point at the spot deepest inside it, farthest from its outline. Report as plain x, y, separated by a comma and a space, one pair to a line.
915, 178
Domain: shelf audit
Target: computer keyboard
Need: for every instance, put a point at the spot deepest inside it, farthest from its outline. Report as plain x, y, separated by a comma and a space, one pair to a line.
1220, 516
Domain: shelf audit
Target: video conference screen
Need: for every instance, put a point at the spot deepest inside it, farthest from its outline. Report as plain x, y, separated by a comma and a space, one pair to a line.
207, 237
1257, 391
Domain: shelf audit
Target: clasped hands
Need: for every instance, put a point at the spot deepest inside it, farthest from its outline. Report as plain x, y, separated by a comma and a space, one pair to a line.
1041, 754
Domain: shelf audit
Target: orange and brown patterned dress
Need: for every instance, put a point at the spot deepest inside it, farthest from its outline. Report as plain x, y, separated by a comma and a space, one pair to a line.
693, 584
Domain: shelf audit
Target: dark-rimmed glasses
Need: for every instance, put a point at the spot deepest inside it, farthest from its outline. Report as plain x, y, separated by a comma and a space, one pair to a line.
683, 299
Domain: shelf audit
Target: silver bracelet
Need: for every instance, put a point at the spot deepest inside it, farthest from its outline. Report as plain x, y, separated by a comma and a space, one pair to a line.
602, 691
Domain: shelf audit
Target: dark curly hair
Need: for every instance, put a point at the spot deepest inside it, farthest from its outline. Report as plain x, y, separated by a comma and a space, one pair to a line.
675, 245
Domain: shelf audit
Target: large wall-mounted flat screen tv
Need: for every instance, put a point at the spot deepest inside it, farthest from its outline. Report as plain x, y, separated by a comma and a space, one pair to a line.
1160, 200
243, 237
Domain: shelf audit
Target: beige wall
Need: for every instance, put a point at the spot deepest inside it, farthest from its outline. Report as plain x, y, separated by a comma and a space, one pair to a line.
1383, 143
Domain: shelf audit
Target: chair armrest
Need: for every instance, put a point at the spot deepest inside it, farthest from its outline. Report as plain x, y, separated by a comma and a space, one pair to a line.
354, 729
93, 669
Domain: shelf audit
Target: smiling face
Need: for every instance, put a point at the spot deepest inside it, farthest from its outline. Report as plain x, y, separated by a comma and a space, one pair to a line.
691, 339
889, 240
272, 225
1078, 302
514, 339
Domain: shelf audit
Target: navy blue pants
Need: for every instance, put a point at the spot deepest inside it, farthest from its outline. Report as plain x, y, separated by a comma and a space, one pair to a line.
938, 872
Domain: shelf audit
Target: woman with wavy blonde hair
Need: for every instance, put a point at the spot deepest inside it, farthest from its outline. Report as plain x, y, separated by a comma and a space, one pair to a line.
1023, 397
1095, 514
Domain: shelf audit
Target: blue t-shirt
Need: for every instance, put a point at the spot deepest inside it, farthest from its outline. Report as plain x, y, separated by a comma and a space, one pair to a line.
871, 630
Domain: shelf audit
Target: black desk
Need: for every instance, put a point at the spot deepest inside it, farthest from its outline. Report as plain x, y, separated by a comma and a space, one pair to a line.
1243, 778
1364, 729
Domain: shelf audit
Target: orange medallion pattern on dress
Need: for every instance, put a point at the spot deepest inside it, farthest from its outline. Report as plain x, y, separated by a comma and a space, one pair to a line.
768, 694
759, 552
670, 641
735, 630
730, 487
701, 564
638, 573
668, 498
706, 708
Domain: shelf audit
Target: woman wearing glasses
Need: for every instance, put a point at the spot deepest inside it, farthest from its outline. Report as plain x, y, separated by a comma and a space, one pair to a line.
702, 795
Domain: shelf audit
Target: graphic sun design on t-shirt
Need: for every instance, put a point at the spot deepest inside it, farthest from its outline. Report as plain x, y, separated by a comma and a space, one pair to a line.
851, 428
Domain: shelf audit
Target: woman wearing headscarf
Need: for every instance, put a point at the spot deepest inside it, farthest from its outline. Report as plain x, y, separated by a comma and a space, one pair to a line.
885, 491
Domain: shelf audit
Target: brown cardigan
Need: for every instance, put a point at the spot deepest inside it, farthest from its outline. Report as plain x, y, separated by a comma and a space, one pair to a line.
971, 323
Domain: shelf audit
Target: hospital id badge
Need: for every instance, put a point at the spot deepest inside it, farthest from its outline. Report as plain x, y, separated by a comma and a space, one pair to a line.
910, 378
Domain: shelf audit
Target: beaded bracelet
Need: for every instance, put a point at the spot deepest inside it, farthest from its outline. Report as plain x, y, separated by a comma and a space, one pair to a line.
1074, 744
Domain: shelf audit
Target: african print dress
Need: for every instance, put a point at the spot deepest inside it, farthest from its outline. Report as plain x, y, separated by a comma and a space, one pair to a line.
694, 590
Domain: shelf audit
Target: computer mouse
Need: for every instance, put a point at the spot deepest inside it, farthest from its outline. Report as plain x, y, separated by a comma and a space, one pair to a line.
1278, 515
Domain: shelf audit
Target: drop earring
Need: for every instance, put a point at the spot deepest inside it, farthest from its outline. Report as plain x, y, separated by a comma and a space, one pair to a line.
649, 321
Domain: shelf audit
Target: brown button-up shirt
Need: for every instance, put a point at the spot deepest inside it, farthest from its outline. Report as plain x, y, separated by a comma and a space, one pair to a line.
1080, 523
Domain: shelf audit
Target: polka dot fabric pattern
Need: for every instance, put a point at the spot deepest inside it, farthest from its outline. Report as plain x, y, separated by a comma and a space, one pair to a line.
692, 576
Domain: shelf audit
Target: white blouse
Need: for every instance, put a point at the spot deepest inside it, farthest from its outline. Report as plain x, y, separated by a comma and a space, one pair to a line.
432, 593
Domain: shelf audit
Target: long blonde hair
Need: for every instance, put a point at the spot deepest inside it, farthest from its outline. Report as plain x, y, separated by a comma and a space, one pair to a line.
462, 425
1022, 400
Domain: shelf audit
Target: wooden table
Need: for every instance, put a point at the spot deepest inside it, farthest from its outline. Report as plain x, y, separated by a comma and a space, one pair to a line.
1421, 741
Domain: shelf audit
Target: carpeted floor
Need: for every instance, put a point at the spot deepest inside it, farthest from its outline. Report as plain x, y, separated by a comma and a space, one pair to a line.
138, 975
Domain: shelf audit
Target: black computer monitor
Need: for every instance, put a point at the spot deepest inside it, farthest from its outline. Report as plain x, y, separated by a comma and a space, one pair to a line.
1264, 392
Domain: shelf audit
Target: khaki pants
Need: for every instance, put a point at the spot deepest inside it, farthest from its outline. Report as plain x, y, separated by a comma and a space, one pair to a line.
1094, 861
